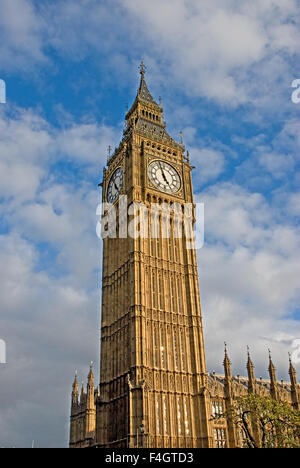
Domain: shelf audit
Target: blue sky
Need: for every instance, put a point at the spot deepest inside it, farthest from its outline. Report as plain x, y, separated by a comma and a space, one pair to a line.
224, 71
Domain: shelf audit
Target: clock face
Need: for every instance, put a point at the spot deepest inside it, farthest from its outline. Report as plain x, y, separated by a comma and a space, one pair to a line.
115, 185
164, 177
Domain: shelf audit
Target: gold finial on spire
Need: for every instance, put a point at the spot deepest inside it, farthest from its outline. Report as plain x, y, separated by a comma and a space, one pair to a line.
142, 68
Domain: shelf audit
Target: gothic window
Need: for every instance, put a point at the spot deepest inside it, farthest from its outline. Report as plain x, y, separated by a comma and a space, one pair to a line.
160, 294
153, 292
152, 246
217, 408
162, 349
157, 416
176, 249
186, 418
170, 250
179, 417
165, 416
220, 437
172, 296
155, 348
175, 351
179, 296
158, 247
182, 351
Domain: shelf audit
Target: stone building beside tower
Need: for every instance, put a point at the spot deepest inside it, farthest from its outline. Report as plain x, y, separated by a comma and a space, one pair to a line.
155, 390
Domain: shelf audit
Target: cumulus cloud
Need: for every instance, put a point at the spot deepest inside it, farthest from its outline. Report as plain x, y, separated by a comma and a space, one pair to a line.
21, 35
50, 299
249, 270
209, 165
232, 53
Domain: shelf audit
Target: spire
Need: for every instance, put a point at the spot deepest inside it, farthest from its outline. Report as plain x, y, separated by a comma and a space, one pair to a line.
251, 376
229, 398
227, 364
91, 374
91, 389
82, 395
75, 392
142, 68
294, 385
273, 378
143, 92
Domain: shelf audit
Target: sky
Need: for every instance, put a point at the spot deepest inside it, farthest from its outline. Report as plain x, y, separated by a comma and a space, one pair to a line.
224, 70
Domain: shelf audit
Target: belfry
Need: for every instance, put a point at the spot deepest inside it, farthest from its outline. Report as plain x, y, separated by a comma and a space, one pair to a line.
154, 389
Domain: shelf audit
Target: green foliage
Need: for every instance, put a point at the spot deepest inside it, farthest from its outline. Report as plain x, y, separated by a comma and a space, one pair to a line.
265, 422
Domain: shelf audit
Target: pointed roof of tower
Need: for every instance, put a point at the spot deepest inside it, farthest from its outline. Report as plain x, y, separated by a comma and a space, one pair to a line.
227, 363
292, 370
143, 92
75, 385
250, 364
271, 368
91, 374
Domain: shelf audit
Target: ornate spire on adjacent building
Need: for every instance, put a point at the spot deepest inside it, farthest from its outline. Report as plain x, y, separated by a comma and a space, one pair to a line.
251, 376
91, 374
229, 398
75, 392
227, 364
82, 395
294, 385
273, 378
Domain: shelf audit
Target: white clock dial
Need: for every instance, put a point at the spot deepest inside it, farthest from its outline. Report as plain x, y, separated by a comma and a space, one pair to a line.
164, 177
115, 185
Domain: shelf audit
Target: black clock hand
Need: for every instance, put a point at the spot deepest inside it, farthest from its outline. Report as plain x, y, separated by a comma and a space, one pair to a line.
163, 174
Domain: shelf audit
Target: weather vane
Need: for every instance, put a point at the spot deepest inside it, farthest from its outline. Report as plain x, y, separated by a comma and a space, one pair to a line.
142, 68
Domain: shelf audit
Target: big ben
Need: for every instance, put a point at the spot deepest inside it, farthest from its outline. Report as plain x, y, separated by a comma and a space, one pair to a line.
153, 376
154, 389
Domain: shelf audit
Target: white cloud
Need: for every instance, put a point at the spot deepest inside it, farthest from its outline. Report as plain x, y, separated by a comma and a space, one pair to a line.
49, 281
249, 270
21, 35
209, 165
233, 53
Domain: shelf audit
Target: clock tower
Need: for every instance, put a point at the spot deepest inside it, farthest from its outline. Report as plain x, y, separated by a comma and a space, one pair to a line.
153, 378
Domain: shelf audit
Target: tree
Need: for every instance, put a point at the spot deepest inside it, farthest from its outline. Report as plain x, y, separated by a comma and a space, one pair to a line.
264, 422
